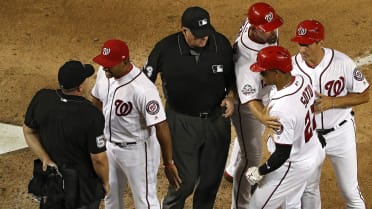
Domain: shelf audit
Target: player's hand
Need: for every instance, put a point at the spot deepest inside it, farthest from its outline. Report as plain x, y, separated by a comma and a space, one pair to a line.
106, 187
228, 103
253, 175
269, 121
323, 103
172, 175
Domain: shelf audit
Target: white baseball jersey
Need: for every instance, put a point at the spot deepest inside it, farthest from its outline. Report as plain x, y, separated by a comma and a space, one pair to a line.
250, 84
293, 105
131, 105
298, 128
336, 75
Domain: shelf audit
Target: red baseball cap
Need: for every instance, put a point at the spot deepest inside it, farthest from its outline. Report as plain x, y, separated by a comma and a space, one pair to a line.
113, 52
264, 17
273, 57
308, 32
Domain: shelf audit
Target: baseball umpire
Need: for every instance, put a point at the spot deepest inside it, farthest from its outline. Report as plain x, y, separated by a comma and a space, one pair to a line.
66, 131
197, 75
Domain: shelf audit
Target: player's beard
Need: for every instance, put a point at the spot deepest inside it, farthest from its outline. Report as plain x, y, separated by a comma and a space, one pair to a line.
108, 74
272, 39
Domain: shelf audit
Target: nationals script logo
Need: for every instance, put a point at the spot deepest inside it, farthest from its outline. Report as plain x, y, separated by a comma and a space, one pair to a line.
123, 108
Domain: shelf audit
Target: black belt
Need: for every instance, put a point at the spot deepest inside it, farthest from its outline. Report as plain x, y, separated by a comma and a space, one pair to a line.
123, 144
322, 132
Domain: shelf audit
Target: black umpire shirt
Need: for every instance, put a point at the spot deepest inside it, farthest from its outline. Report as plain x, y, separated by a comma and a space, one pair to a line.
70, 128
192, 84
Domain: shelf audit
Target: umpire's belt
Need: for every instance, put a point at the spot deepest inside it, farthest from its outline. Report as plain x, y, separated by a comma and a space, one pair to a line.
124, 144
322, 132
207, 114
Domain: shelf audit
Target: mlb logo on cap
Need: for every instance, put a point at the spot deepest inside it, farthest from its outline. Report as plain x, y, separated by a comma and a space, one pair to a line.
203, 22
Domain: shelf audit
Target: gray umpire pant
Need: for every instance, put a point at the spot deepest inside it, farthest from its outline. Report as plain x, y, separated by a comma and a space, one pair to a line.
200, 149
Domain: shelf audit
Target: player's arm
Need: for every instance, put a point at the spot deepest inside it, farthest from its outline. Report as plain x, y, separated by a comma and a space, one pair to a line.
276, 159
32, 139
164, 138
258, 110
352, 99
100, 165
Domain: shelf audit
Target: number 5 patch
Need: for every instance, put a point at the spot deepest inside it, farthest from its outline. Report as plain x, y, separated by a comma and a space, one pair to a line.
101, 142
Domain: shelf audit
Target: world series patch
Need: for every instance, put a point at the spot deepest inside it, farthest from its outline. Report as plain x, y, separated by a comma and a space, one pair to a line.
358, 75
152, 107
248, 89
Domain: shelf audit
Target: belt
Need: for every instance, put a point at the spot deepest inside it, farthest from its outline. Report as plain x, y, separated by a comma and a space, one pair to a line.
124, 144
322, 132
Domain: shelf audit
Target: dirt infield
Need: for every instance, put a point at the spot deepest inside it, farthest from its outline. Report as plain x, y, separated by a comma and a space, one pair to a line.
38, 36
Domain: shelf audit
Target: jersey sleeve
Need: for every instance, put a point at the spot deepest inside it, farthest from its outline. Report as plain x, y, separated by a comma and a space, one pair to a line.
285, 135
355, 80
100, 88
96, 140
151, 107
151, 67
30, 119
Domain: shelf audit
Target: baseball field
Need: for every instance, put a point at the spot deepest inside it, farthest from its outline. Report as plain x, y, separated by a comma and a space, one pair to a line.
38, 36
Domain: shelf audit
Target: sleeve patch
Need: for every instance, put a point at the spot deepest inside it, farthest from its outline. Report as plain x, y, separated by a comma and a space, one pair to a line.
248, 89
358, 75
101, 142
152, 107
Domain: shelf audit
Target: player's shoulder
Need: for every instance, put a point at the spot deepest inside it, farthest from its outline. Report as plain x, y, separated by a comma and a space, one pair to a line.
339, 57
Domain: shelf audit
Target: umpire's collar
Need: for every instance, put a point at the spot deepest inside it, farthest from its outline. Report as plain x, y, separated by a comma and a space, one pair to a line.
210, 47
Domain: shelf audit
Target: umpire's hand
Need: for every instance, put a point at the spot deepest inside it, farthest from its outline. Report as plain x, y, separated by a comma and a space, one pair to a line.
228, 103
172, 175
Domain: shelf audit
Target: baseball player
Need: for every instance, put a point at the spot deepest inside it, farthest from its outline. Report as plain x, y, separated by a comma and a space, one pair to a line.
295, 149
133, 113
339, 85
259, 30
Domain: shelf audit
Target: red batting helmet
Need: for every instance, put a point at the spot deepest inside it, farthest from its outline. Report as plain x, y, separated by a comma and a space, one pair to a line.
308, 32
264, 17
273, 57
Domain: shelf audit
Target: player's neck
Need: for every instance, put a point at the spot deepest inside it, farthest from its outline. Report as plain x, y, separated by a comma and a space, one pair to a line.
287, 81
316, 59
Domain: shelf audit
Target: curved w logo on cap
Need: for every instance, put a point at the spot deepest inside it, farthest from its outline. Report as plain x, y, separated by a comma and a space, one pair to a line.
269, 17
301, 31
106, 51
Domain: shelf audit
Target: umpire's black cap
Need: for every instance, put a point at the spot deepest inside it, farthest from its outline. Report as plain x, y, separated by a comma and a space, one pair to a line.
198, 21
73, 73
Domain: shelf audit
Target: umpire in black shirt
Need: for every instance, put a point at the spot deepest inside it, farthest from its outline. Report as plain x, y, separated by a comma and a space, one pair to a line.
66, 130
196, 69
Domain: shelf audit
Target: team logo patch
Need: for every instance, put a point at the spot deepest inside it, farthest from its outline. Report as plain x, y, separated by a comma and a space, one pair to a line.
248, 89
100, 141
358, 75
152, 107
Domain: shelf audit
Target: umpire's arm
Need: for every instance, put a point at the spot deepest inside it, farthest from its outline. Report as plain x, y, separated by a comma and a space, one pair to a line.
32, 139
100, 165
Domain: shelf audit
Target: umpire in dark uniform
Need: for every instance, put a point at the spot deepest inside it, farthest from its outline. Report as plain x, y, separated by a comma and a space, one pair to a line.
196, 69
66, 130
